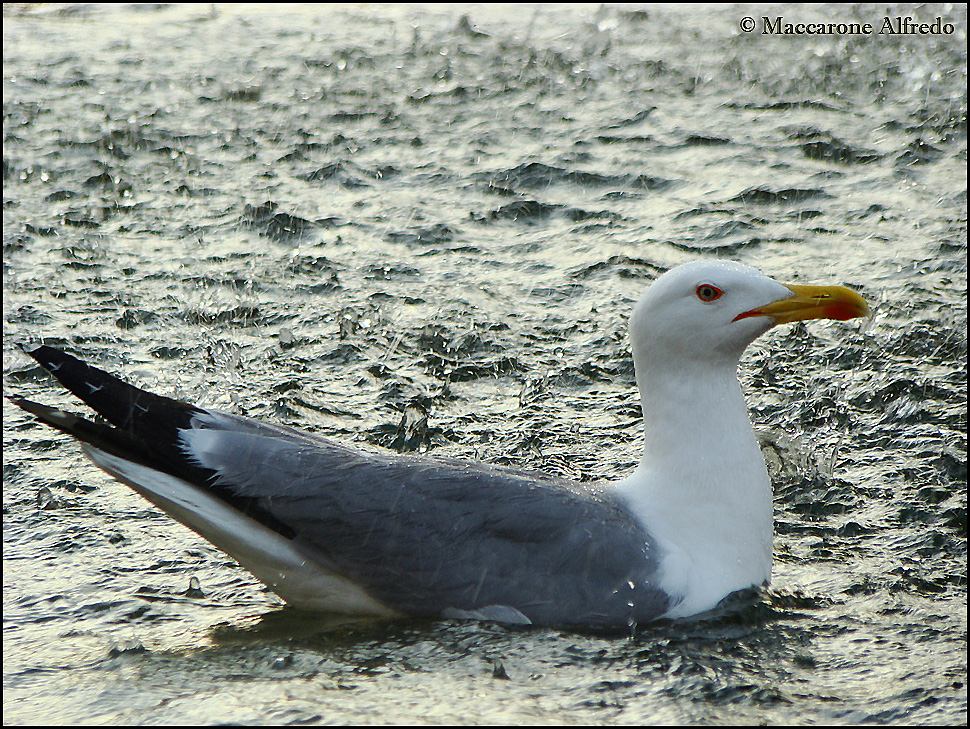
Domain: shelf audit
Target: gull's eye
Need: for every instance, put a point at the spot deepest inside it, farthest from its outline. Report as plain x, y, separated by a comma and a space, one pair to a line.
708, 292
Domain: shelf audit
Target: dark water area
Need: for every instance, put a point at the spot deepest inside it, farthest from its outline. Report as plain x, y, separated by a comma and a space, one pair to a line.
425, 227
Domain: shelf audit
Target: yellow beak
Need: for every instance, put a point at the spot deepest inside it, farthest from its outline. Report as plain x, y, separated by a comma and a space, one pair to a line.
812, 302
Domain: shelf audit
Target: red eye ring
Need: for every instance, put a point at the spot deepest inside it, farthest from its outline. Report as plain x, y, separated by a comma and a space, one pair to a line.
708, 292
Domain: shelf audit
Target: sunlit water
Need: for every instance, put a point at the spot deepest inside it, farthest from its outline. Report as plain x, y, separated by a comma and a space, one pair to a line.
347, 218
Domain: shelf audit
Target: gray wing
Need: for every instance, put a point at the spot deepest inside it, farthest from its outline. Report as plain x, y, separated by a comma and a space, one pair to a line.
431, 536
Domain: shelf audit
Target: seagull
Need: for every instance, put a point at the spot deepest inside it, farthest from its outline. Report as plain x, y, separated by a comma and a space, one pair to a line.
333, 528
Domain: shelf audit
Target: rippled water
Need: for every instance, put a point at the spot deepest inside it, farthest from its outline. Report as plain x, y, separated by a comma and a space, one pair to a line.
425, 227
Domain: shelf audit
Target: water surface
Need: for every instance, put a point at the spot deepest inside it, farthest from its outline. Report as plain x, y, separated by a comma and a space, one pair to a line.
424, 227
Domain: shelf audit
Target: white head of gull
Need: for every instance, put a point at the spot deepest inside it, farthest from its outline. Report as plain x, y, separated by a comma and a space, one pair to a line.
702, 489
333, 528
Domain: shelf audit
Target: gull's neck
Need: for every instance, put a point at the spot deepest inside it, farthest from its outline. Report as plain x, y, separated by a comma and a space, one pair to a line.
701, 489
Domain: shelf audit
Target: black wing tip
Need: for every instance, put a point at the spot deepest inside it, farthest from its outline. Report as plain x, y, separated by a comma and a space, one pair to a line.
148, 434
142, 415
32, 350
48, 357
90, 433
55, 417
